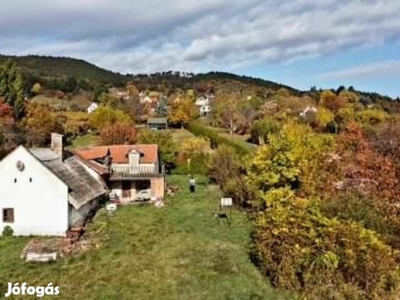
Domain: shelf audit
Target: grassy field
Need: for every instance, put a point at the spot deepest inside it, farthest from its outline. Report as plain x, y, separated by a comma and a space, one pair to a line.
175, 252
179, 135
238, 138
85, 141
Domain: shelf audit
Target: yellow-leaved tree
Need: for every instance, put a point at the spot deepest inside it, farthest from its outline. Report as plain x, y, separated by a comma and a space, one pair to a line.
182, 111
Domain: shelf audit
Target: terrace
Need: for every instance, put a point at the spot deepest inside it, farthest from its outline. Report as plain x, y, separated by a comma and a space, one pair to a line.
129, 172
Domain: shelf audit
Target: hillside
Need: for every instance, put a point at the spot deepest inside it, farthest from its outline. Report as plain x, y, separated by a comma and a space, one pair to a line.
47, 68
64, 73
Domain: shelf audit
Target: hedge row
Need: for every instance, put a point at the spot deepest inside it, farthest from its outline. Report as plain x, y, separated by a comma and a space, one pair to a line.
215, 139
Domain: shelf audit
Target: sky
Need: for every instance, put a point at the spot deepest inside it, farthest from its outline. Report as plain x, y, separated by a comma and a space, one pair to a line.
302, 43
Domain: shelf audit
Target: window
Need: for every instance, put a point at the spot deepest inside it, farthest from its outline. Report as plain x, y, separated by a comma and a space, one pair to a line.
142, 184
15, 180
8, 215
30, 179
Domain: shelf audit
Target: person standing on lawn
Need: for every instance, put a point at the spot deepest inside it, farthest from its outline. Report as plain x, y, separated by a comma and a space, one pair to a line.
192, 184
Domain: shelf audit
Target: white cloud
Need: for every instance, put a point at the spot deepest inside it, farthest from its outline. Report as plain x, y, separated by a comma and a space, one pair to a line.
154, 35
380, 69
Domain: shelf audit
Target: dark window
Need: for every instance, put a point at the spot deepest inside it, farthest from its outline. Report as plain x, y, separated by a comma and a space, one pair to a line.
142, 184
8, 215
30, 179
15, 180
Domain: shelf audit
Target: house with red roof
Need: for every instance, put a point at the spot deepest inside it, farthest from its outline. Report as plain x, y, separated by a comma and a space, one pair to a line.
128, 170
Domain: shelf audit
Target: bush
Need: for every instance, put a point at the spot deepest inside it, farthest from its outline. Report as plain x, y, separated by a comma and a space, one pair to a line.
8, 231
300, 249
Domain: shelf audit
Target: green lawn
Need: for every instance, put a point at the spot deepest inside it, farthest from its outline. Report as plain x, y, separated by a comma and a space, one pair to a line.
175, 252
53, 102
238, 138
179, 135
85, 141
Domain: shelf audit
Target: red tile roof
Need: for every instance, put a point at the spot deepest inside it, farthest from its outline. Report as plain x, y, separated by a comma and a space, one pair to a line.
119, 153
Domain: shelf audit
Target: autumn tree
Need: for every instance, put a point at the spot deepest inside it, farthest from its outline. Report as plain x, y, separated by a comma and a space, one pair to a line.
194, 146
228, 110
36, 88
118, 133
6, 113
105, 115
73, 123
286, 159
133, 92
182, 111
40, 123
108, 100
329, 100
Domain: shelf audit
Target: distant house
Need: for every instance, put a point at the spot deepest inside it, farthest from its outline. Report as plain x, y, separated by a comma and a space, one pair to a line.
205, 110
157, 123
308, 110
45, 191
92, 107
146, 99
127, 169
201, 101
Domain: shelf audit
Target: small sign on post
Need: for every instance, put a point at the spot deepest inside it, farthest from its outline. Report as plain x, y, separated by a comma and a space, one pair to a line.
226, 201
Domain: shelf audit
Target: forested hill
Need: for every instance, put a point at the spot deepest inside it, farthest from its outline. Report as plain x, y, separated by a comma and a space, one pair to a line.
47, 69
162, 81
65, 74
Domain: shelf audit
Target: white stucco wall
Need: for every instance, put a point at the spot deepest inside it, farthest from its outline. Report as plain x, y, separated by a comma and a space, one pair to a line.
38, 197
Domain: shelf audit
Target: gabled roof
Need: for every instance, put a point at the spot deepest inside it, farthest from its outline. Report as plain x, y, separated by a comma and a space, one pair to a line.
119, 153
83, 186
157, 121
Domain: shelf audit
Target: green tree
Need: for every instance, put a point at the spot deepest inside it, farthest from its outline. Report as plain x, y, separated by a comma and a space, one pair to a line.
262, 128
286, 159
165, 143
12, 87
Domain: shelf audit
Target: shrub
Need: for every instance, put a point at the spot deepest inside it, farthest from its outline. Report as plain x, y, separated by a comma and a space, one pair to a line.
8, 231
300, 249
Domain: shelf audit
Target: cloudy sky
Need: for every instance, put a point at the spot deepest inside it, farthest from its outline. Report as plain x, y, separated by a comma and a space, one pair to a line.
302, 43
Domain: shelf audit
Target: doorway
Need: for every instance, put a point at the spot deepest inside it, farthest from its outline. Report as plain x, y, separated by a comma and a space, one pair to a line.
126, 189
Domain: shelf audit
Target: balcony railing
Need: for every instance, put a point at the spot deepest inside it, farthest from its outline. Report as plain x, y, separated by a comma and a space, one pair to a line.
120, 172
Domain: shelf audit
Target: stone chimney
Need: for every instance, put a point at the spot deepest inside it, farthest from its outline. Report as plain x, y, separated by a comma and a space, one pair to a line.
57, 145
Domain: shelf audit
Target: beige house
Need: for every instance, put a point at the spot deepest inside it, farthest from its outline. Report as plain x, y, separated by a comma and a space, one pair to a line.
128, 170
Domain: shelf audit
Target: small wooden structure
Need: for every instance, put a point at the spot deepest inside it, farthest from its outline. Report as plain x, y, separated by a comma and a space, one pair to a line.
157, 123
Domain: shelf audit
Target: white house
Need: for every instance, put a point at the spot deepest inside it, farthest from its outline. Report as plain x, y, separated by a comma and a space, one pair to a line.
146, 99
201, 101
92, 107
44, 192
205, 110
308, 110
